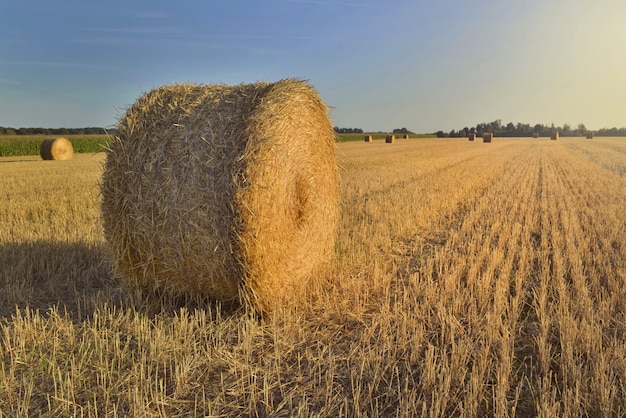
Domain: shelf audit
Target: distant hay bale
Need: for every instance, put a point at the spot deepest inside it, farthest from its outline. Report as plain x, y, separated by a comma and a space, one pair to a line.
487, 136
390, 139
554, 135
535, 135
406, 136
590, 135
472, 137
58, 149
368, 138
225, 191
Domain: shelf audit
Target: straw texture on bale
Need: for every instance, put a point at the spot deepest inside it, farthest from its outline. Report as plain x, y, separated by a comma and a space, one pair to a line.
390, 139
487, 136
406, 136
225, 191
56, 149
555, 135
590, 135
472, 137
368, 138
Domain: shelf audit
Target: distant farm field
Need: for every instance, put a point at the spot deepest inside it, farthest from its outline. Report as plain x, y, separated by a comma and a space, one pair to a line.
361, 137
21, 145
471, 279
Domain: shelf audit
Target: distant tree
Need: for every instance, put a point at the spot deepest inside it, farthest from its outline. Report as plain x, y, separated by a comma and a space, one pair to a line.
481, 128
567, 128
440, 134
402, 131
348, 130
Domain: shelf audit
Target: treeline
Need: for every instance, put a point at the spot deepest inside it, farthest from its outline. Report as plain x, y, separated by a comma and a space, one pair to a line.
53, 131
348, 130
525, 130
360, 131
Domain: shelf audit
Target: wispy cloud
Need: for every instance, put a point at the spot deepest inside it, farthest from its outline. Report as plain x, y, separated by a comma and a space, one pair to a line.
128, 37
9, 82
140, 31
54, 64
337, 3
152, 15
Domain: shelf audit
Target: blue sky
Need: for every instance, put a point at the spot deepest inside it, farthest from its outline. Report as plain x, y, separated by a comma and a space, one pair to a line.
421, 64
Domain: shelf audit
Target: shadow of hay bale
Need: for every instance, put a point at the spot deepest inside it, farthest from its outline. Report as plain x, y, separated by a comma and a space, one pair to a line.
78, 279
42, 274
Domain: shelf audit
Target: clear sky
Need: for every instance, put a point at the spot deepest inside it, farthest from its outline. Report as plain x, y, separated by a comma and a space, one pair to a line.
381, 64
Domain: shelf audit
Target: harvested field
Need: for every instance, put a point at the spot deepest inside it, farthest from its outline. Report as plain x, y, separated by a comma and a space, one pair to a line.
469, 281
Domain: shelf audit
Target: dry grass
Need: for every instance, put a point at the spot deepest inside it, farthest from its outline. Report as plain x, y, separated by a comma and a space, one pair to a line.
468, 282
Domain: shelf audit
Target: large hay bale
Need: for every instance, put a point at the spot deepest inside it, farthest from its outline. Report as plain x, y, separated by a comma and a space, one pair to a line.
471, 137
590, 135
487, 136
368, 138
554, 135
406, 136
535, 135
390, 139
56, 149
225, 191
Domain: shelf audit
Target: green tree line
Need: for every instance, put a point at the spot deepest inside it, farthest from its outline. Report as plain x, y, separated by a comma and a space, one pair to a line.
53, 131
525, 130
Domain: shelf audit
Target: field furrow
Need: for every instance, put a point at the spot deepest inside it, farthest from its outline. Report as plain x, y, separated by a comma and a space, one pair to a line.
610, 154
574, 304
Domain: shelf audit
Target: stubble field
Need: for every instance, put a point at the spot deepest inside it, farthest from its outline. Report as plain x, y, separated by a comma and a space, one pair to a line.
471, 279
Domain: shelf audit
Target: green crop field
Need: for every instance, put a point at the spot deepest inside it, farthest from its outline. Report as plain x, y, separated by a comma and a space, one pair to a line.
21, 145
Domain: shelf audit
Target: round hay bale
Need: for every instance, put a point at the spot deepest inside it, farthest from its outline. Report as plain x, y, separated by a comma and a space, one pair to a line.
390, 139
472, 137
535, 135
554, 135
406, 136
225, 191
487, 136
590, 135
368, 138
56, 149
